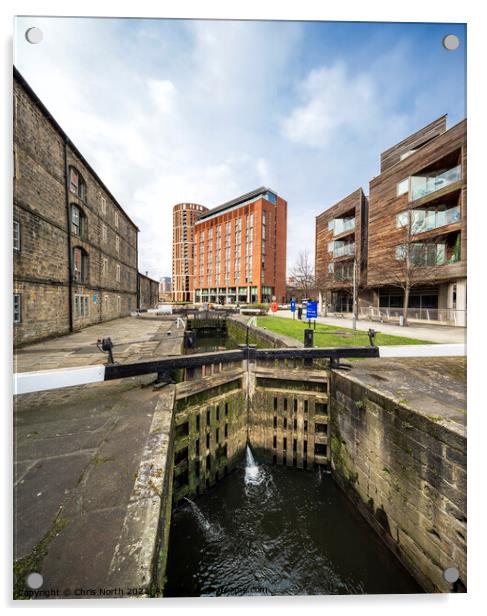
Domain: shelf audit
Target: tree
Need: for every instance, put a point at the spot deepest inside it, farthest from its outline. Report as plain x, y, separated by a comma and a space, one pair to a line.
415, 262
302, 274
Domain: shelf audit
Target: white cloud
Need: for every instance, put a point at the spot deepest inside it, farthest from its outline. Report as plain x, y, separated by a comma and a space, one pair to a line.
335, 104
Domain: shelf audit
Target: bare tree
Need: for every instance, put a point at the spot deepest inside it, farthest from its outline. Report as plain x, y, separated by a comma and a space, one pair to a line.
416, 262
302, 274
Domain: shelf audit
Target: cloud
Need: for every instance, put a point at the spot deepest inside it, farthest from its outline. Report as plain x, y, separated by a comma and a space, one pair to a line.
336, 105
168, 111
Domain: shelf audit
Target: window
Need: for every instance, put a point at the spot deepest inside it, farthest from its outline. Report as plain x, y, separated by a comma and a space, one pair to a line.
119, 304
103, 204
78, 221
104, 267
118, 272
81, 305
116, 219
104, 233
76, 183
331, 225
402, 187
402, 219
117, 243
17, 308
80, 265
331, 246
16, 236
331, 268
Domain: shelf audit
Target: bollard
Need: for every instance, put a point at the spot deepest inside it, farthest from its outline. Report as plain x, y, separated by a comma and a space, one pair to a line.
308, 338
189, 339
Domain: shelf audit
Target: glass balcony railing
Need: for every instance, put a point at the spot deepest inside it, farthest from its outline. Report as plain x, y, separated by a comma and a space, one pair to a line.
344, 250
422, 185
341, 225
427, 220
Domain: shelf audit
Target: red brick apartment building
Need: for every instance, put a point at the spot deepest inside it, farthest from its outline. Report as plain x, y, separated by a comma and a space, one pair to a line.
417, 205
240, 250
185, 216
74, 247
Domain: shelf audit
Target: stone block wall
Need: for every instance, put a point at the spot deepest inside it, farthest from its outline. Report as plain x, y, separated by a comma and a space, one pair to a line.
41, 261
407, 475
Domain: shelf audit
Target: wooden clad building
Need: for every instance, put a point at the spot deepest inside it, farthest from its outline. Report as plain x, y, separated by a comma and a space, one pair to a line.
412, 228
418, 207
341, 246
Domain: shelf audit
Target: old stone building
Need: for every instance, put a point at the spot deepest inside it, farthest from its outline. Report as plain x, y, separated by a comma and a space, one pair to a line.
75, 249
147, 292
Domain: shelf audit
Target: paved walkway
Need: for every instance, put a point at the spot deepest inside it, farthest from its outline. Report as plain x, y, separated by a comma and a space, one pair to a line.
431, 333
133, 338
90, 466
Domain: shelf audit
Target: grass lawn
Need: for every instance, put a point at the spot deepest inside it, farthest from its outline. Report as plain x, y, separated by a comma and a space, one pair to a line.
331, 335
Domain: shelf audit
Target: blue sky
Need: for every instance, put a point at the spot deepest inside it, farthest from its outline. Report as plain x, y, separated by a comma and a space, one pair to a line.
181, 110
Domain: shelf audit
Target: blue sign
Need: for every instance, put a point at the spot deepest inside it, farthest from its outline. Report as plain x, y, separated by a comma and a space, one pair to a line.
94, 298
293, 305
311, 310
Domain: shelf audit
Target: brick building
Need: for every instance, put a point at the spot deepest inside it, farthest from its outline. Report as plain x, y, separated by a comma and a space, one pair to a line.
165, 289
74, 247
240, 250
185, 216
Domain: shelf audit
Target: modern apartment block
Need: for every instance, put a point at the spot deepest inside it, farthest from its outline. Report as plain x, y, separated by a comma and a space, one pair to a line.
165, 289
185, 216
240, 250
416, 214
341, 247
74, 247
418, 207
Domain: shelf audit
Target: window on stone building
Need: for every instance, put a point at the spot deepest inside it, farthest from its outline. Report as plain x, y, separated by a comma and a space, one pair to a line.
119, 304
117, 243
118, 272
103, 204
78, 221
76, 183
80, 264
81, 305
116, 219
104, 234
16, 236
104, 267
17, 308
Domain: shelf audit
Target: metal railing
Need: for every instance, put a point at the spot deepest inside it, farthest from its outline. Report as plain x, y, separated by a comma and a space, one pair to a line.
446, 316
343, 224
345, 250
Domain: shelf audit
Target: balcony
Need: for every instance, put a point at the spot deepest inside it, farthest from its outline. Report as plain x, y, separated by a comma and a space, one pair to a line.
427, 220
341, 249
422, 185
343, 225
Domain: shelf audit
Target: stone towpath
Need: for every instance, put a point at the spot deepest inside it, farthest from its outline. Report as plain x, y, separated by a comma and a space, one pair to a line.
90, 467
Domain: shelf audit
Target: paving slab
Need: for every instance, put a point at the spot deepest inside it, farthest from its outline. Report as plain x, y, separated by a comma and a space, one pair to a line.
88, 461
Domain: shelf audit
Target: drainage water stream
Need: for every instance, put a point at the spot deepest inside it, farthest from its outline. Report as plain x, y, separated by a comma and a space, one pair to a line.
272, 530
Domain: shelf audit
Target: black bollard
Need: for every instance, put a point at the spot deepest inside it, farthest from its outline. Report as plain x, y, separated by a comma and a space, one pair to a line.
189, 339
308, 338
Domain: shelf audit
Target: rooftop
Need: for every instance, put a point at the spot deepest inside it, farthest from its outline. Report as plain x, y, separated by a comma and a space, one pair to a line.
245, 198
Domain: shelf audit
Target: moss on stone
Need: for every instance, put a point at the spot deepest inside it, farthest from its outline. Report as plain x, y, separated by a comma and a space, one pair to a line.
32, 563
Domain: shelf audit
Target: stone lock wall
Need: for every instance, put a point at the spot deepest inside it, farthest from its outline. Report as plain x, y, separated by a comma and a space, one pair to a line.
407, 474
